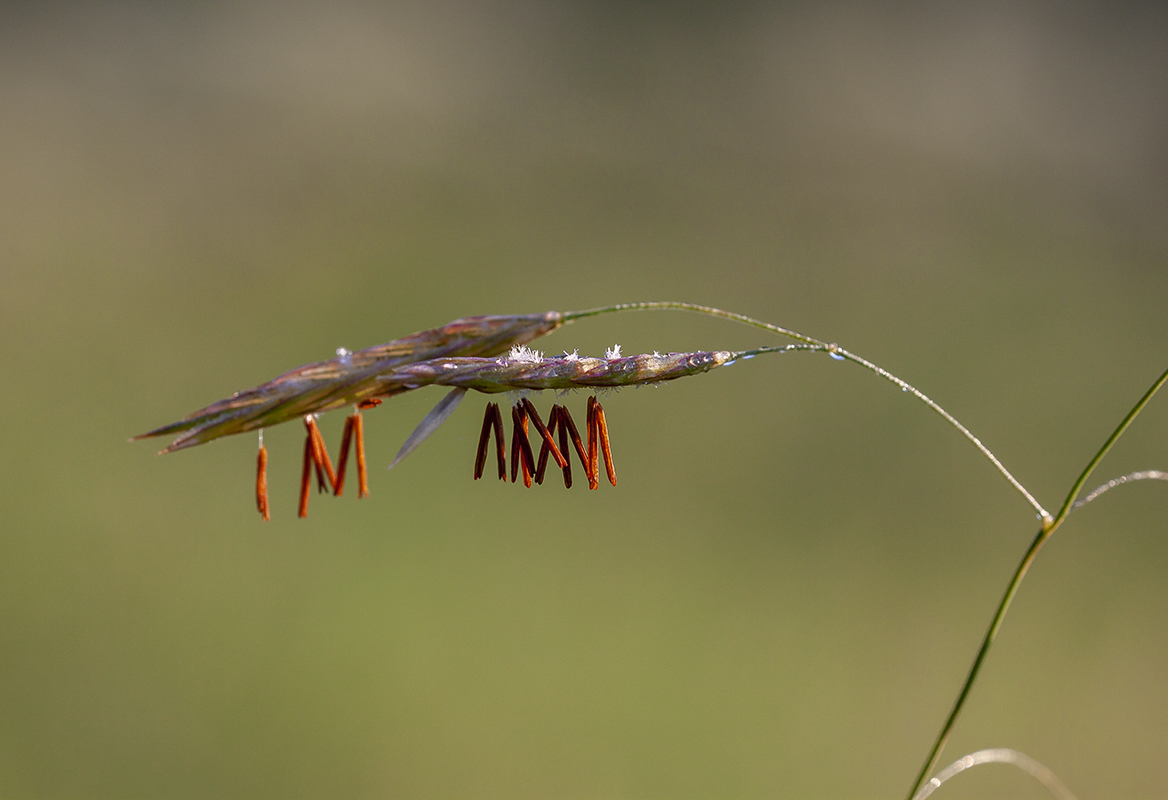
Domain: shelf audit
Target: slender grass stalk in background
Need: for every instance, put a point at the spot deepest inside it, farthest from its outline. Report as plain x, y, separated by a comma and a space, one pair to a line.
1045, 532
998, 755
459, 356
836, 352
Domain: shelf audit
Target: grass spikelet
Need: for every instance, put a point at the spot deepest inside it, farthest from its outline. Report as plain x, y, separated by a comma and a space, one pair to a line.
351, 378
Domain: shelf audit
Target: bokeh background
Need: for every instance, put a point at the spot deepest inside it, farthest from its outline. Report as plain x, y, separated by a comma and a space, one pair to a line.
783, 594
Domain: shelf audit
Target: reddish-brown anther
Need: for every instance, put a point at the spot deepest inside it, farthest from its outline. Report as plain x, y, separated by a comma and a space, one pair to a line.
516, 458
545, 450
326, 476
549, 443
521, 455
602, 428
564, 446
484, 443
262, 483
343, 458
593, 455
568, 427
362, 475
500, 446
306, 476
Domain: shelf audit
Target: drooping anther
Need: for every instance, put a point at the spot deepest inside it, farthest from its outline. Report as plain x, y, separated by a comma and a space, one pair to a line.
568, 430
362, 473
545, 450
262, 480
491, 421
521, 455
515, 456
564, 446
305, 476
602, 427
559, 422
593, 454
549, 443
354, 432
500, 443
343, 458
326, 476
315, 456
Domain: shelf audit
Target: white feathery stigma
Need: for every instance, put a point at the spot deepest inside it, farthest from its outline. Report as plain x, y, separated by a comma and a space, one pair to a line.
523, 354
612, 352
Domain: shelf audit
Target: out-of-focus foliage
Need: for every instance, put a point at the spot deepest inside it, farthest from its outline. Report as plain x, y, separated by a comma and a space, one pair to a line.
782, 596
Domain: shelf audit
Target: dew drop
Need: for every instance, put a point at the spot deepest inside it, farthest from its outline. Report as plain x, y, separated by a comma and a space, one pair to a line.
904, 388
746, 357
836, 356
729, 363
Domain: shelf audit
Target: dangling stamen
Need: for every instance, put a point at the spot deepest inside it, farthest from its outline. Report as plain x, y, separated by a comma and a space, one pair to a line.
354, 430
593, 455
544, 450
262, 480
528, 465
320, 479
343, 458
520, 446
484, 442
516, 458
500, 446
529, 407
602, 426
563, 445
359, 436
320, 456
306, 476
568, 427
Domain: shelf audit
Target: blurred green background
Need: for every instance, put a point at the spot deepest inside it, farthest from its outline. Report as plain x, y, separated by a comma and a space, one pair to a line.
783, 594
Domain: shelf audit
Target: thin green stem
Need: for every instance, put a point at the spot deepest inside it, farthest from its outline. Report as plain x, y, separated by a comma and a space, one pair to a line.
837, 352
787, 348
708, 310
1050, 525
999, 616
1131, 415
1043, 514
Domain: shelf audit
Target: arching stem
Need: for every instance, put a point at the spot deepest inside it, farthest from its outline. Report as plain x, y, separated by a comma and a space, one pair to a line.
1044, 533
837, 352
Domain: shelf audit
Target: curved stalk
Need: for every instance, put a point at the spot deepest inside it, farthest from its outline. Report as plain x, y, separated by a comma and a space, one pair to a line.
1044, 533
1131, 477
995, 625
1131, 415
999, 755
837, 352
